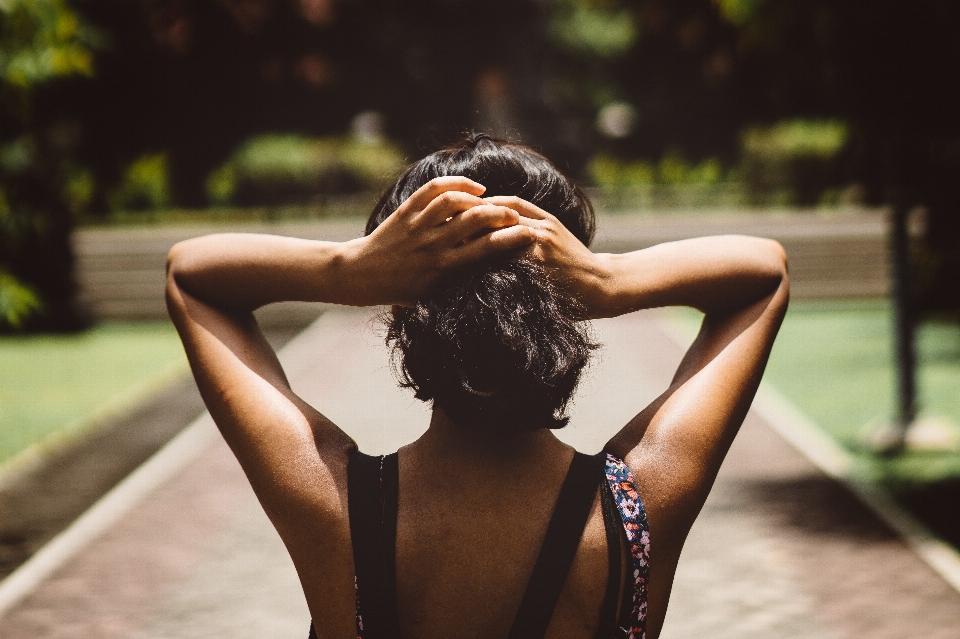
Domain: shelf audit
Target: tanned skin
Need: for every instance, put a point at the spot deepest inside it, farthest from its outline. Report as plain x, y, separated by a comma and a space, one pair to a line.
473, 506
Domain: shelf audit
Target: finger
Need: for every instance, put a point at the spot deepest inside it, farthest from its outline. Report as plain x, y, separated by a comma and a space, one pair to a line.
445, 207
435, 187
521, 206
499, 241
533, 223
478, 219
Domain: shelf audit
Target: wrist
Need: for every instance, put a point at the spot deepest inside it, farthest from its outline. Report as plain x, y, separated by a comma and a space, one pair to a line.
602, 298
351, 274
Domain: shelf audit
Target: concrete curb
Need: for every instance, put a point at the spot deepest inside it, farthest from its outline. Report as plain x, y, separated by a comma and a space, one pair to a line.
179, 452
836, 462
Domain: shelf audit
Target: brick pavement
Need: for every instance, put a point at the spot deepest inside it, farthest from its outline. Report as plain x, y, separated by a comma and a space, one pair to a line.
779, 552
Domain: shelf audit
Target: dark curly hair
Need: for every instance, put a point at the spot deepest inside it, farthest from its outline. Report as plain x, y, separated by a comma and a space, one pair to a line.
497, 345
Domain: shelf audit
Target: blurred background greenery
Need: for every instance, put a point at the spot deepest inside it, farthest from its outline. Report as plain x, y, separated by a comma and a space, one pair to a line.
110, 108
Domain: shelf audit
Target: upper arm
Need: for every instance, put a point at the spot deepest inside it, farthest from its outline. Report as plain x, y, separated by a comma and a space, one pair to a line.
294, 457
676, 445
680, 440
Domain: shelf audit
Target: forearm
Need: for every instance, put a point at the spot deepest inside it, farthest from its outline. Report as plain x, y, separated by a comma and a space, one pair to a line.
241, 272
715, 275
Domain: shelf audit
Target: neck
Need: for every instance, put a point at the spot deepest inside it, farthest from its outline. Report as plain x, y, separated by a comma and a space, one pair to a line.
446, 439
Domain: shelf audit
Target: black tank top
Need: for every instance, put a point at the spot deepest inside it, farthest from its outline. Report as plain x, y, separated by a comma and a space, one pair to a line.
372, 489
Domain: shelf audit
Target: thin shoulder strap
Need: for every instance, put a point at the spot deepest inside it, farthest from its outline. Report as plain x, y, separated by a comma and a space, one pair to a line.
559, 548
609, 624
373, 552
389, 486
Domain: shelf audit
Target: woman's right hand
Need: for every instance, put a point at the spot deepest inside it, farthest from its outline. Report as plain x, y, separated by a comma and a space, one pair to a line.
443, 226
585, 274
716, 275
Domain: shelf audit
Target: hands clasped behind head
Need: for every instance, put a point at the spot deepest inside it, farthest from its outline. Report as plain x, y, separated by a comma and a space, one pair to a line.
443, 226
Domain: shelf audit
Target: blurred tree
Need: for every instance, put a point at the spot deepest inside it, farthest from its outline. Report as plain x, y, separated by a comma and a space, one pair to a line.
40, 41
881, 75
193, 80
671, 88
279, 169
890, 69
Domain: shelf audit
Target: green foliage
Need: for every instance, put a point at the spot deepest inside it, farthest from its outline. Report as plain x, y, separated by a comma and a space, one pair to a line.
17, 301
79, 190
791, 161
609, 172
221, 184
18, 155
594, 28
41, 40
672, 183
791, 139
739, 12
145, 185
284, 167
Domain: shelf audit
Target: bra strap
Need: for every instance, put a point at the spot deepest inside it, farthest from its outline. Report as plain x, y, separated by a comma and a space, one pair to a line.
612, 525
373, 553
559, 548
390, 483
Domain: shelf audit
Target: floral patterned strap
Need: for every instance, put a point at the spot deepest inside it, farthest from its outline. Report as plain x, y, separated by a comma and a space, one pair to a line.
359, 619
638, 536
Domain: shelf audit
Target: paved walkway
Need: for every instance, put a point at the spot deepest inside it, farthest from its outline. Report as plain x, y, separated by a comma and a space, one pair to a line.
779, 552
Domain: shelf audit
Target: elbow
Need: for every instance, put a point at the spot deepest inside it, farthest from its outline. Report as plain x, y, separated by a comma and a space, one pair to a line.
185, 263
173, 295
783, 265
179, 261
780, 273
771, 271
774, 263
176, 259
758, 258
775, 259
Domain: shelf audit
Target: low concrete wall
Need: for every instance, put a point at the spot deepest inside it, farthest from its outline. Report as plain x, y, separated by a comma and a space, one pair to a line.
832, 256
121, 270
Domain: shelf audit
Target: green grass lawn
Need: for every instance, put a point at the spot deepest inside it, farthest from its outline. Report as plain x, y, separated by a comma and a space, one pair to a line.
834, 360
51, 384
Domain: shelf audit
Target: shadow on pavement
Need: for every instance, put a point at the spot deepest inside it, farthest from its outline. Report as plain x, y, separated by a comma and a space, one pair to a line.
938, 506
815, 506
